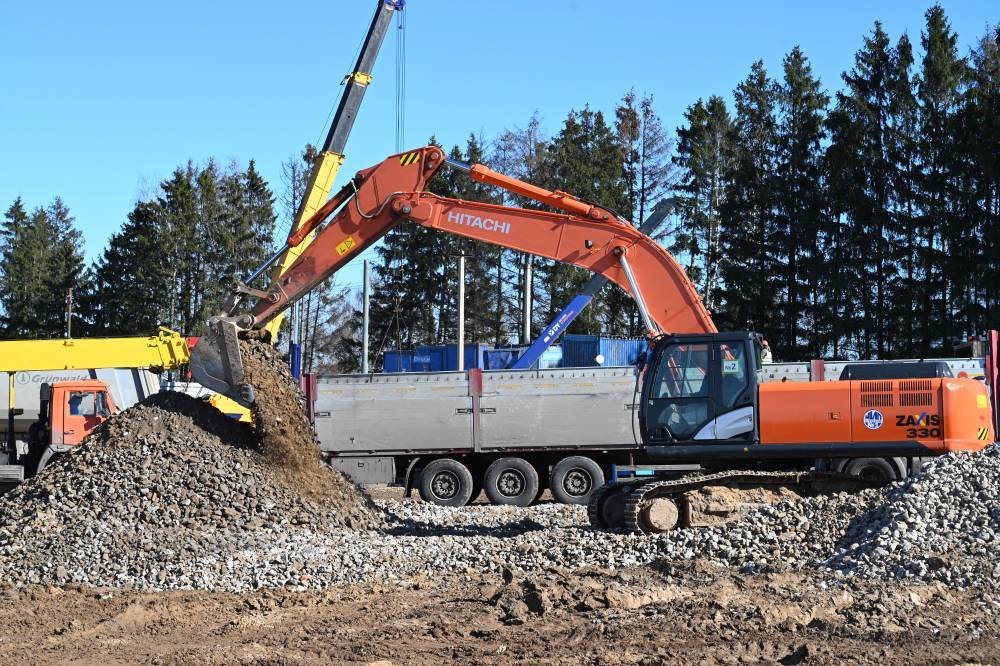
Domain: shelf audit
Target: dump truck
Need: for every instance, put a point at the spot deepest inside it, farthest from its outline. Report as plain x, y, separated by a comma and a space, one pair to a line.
700, 398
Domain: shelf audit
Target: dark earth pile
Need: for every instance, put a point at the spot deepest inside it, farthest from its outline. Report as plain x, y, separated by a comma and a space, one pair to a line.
286, 438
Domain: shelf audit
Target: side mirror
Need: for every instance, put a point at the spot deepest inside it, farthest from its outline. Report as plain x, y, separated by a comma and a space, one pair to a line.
640, 362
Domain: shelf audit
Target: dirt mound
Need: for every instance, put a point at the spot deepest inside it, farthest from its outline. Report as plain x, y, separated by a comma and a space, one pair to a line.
168, 494
286, 438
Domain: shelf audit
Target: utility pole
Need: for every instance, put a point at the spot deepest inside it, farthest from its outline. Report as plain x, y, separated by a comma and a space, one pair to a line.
461, 312
294, 348
69, 312
526, 299
366, 296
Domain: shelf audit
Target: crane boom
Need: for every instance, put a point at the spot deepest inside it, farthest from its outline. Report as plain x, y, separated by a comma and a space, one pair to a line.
165, 351
378, 198
329, 160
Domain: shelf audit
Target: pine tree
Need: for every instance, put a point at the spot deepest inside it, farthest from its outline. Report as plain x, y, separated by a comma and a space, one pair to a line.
747, 216
584, 159
648, 174
861, 164
980, 124
903, 142
800, 203
42, 259
943, 254
704, 153
520, 153
129, 289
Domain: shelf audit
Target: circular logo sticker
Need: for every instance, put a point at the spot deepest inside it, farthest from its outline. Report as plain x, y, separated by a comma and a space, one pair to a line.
873, 419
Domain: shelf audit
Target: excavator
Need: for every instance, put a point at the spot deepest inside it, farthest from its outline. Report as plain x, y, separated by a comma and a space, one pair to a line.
700, 395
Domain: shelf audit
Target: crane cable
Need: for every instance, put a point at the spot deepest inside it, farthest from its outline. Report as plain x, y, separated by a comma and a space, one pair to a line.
400, 78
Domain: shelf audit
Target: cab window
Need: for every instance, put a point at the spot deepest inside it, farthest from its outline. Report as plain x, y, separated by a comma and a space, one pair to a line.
682, 372
734, 373
88, 403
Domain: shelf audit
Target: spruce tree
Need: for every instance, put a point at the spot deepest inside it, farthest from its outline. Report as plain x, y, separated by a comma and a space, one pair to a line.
747, 215
704, 154
801, 229
943, 252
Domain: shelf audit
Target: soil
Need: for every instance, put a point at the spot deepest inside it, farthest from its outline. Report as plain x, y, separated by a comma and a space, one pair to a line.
650, 615
286, 438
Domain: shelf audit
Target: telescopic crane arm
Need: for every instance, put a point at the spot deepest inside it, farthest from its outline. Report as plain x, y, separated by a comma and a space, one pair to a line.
384, 195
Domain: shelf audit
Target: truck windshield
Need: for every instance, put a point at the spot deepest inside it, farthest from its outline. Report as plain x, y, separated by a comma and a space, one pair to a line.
87, 403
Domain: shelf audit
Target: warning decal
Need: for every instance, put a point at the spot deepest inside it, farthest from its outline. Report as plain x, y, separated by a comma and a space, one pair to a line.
346, 246
406, 159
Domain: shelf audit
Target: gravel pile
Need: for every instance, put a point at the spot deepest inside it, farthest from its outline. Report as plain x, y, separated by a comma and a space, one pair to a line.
943, 525
170, 493
294, 543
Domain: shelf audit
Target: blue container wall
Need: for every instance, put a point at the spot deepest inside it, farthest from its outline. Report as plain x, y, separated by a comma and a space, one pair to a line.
397, 361
581, 351
621, 351
498, 359
444, 358
473, 356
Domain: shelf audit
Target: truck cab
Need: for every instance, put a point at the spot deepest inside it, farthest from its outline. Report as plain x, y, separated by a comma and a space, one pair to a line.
67, 413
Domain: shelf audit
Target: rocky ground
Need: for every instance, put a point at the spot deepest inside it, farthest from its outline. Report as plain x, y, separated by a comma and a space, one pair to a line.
177, 535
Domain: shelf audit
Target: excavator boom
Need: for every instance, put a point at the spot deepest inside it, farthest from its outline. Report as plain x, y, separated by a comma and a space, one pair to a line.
378, 198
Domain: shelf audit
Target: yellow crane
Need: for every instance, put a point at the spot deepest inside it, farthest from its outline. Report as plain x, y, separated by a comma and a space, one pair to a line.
329, 160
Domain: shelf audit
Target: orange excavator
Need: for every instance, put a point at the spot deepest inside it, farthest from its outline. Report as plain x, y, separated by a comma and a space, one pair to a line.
700, 396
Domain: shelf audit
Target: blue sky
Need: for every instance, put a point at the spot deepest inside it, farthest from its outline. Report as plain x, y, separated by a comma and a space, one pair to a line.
99, 101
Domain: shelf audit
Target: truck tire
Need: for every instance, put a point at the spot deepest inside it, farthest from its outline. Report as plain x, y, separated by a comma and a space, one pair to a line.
879, 470
511, 481
446, 482
574, 478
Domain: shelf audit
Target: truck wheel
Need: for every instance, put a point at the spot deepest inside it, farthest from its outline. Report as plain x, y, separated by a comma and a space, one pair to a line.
574, 478
511, 481
878, 470
446, 482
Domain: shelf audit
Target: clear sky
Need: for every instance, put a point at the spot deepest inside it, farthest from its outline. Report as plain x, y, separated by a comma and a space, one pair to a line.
99, 101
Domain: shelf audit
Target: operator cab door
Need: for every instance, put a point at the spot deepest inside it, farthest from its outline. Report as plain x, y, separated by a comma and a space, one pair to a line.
83, 410
700, 389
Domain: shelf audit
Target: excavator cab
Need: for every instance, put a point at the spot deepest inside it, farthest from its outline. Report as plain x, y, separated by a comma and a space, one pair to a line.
701, 388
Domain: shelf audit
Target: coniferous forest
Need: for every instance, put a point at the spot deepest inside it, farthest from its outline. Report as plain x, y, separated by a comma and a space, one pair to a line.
857, 218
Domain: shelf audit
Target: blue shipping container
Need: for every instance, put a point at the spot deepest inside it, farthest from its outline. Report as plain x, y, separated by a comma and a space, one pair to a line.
397, 361
433, 358
582, 351
500, 359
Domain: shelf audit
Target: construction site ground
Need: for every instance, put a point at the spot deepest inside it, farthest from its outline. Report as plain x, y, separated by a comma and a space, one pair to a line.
662, 613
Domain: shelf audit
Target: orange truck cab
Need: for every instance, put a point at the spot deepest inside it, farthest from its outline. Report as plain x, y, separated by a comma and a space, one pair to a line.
702, 401
67, 413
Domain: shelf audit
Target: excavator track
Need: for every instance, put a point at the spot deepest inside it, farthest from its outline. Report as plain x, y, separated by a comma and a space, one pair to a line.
597, 510
644, 512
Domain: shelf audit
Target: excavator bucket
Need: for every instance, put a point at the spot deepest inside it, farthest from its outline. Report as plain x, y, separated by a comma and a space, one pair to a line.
217, 364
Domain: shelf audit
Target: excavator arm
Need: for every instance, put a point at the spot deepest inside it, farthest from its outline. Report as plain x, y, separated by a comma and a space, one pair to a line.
382, 196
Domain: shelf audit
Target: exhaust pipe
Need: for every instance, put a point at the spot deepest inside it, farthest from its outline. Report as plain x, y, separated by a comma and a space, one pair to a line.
217, 364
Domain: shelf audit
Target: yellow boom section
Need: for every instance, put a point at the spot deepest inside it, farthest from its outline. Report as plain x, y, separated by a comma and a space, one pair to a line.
165, 351
317, 192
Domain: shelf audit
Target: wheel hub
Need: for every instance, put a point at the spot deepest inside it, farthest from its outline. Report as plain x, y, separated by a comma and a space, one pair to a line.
510, 483
445, 485
577, 482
